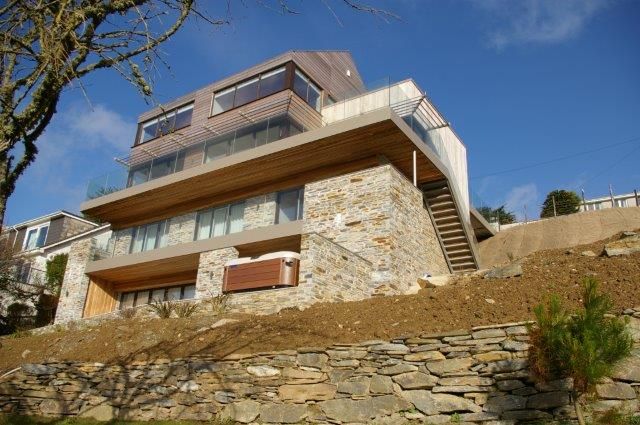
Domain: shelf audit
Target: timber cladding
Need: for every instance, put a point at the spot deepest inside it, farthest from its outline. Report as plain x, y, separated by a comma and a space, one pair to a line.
261, 274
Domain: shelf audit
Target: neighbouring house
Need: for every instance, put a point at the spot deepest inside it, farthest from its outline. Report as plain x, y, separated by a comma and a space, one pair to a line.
286, 184
615, 201
34, 242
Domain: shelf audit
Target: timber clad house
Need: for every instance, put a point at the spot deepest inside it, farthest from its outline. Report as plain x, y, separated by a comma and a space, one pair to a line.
287, 184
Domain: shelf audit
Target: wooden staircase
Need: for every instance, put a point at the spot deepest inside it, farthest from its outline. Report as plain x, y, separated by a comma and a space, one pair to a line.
450, 229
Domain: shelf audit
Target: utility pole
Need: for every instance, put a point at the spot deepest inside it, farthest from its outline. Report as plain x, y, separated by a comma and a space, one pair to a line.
635, 192
553, 199
584, 203
613, 203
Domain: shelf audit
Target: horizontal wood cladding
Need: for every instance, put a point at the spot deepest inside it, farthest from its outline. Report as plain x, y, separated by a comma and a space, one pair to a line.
101, 298
206, 128
261, 274
327, 68
167, 271
288, 163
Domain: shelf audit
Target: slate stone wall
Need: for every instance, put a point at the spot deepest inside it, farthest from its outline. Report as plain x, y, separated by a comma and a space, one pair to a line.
480, 376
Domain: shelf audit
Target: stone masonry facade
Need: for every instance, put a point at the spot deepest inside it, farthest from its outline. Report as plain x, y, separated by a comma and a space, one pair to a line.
76, 282
479, 376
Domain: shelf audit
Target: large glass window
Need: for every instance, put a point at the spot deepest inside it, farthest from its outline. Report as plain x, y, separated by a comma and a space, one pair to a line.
246, 92
146, 296
290, 205
149, 236
166, 123
308, 91
220, 221
223, 101
36, 237
272, 82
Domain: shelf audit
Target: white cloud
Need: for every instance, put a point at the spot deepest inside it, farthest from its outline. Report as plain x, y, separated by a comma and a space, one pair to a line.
523, 200
538, 21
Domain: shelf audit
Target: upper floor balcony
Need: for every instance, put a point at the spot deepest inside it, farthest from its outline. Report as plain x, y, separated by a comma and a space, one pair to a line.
277, 142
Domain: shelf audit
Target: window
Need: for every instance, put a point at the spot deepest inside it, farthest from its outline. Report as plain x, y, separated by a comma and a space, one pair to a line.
147, 296
246, 92
36, 237
220, 221
167, 123
290, 205
149, 236
308, 91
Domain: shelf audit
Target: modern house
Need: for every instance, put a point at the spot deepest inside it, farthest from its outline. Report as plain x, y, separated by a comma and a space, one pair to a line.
611, 201
286, 184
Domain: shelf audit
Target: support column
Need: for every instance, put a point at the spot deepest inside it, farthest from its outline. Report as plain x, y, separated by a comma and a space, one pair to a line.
211, 271
75, 283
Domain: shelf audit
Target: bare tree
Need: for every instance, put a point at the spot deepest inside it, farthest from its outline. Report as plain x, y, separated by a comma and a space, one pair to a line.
48, 45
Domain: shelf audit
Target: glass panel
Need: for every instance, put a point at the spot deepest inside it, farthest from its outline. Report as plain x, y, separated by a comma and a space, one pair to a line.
42, 236
219, 221
142, 298
244, 140
217, 149
204, 225
139, 175
174, 293
31, 239
246, 92
300, 204
236, 218
287, 206
261, 133
149, 131
183, 117
314, 97
127, 300
166, 124
294, 128
152, 237
189, 292
157, 295
138, 239
162, 233
272, 82
162, 167
300, 84
223, 101
277, 129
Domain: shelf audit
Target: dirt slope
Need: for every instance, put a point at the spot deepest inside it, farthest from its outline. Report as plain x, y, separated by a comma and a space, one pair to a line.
468, 303
554, 233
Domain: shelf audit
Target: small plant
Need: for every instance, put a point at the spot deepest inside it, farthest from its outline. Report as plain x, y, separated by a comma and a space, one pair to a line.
128, 313
163, 309
186, 309
218, 303
584, 346
456, 418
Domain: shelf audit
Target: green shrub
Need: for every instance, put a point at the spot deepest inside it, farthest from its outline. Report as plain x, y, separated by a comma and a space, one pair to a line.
186, 309
163, 309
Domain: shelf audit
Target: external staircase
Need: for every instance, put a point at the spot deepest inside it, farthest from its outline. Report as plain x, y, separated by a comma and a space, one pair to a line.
456, 243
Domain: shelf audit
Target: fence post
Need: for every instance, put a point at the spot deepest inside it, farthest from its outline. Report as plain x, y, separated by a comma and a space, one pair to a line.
584, 203
613, 203
553, 199
635, 192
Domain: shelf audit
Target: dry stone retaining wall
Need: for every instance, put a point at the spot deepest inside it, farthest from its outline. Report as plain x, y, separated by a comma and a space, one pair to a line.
480, 376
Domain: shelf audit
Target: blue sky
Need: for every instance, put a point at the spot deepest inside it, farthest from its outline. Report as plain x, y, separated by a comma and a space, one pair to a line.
522, 82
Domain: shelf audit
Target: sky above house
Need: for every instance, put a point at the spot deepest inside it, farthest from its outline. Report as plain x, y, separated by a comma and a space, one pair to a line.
545, 94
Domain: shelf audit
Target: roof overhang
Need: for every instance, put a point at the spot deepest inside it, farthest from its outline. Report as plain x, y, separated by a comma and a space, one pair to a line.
347, 146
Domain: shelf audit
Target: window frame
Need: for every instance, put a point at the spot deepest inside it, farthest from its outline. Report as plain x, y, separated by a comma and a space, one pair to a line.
227, 218
150, 291
170, 114
38, 228
160, 236
299, 204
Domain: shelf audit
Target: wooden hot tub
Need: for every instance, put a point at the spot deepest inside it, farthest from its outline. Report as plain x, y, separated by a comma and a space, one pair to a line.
266, 271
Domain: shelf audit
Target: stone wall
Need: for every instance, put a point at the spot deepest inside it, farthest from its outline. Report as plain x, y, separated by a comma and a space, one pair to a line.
211, 271
181, 229
76, 282
260, 211
378, 214
481, 376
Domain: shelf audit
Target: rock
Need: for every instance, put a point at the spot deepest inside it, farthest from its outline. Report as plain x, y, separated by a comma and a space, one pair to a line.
346, 354
435, 281
263, 371
548, 400
488, 333
517, 330
510, 270
615, 391
629, 369
622, 406
509, 385
490, 300
38, 369
459, 389
624, 246
424, 356
381, 385
492, 356
526, 415
188, 386
466, 380
222, 322
347, 410
102, 412
588, 253
242, 411
25, 353
397, 369
415, 380
316, 360
433, 404
515, 346
450, 365
390, 348
633, 325
358, 386
300, 376
506, 366
224, 397
503, 403
283, 413
565, 384
306, 392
